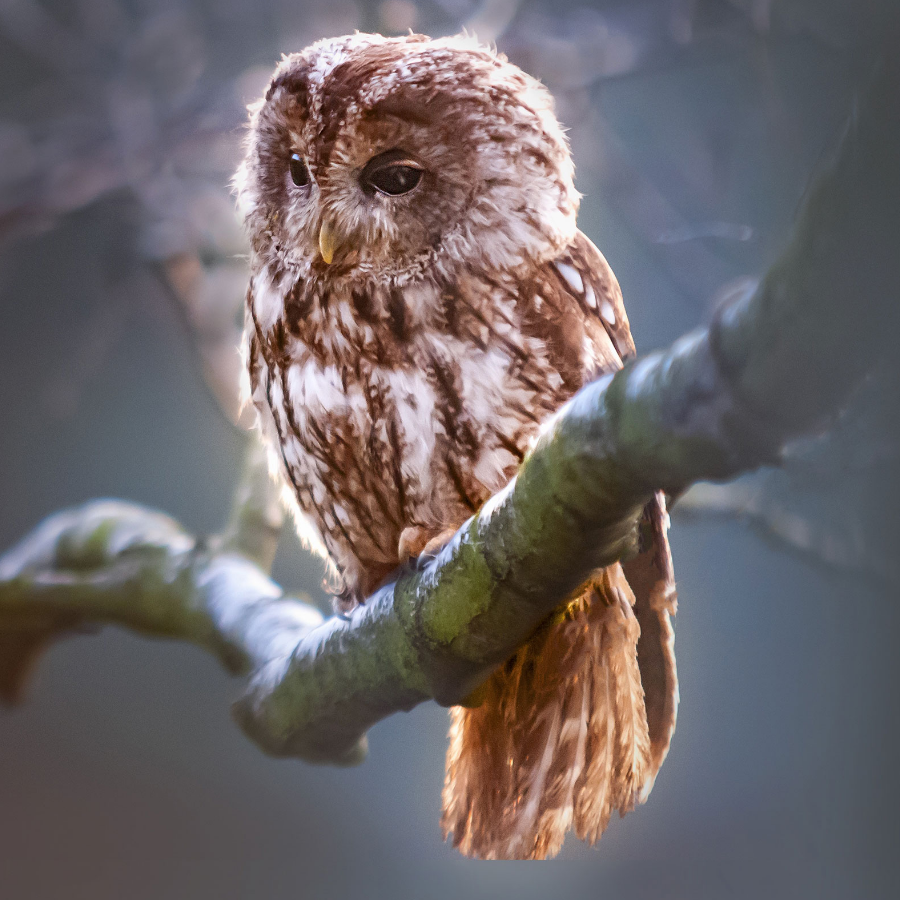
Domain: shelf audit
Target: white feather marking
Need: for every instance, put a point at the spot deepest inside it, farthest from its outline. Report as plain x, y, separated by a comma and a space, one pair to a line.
422, 297
414, 400
486, 385
492, 466
607, 311
267, 300
345, 315
308, 534
571, 275
535, 790
590, 298
314, 386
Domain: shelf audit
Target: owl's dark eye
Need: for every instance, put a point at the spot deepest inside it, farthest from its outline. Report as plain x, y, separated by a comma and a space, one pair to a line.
395, 179
391, 173
299, 172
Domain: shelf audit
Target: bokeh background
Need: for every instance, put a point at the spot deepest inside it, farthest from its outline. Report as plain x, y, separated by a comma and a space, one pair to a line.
695, 126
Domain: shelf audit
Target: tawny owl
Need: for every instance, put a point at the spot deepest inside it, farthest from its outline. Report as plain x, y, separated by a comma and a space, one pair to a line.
420, 301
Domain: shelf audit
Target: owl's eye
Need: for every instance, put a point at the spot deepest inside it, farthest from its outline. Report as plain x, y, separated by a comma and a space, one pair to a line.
395, 179
391, 173
299, 172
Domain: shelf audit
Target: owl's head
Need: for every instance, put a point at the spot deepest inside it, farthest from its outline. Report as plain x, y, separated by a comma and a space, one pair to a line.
393, 155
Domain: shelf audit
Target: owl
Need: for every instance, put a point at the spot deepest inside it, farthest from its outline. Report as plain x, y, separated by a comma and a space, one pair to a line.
420, 301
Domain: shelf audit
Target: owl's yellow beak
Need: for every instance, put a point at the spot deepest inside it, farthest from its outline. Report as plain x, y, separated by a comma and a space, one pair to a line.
327, 242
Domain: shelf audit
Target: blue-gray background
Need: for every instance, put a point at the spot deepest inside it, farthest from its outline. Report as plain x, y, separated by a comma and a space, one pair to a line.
695, 125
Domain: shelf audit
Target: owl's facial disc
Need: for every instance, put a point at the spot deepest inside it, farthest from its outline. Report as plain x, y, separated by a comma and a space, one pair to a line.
387, 156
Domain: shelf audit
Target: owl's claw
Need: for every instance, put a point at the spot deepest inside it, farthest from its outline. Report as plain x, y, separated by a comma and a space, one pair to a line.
344, 602
412, 542
418, 541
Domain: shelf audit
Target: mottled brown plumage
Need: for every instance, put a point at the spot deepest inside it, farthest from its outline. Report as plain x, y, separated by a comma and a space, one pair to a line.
420, 301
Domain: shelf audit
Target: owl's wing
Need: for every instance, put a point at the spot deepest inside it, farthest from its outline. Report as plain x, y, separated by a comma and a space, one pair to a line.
586, 303
587, 276
573, 305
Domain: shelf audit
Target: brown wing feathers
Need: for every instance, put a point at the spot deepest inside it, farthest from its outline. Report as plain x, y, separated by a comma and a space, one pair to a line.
576, 725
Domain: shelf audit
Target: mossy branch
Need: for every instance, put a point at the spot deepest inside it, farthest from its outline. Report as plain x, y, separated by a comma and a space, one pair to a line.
775, 362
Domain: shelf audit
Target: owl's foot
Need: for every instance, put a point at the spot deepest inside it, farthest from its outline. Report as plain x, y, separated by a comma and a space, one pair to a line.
417, 540
343, 602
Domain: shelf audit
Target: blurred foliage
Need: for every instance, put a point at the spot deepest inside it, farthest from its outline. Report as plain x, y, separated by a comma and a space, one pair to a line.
837, 495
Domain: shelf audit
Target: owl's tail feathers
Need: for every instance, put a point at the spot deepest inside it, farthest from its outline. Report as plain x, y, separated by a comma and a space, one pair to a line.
561, 738
652, 579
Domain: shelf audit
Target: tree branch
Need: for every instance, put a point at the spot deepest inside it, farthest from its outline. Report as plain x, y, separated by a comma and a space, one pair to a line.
775, 362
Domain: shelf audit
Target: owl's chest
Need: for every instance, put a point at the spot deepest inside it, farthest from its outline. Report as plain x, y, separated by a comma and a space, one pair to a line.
423, 375
445, 405
424, 412
390, 417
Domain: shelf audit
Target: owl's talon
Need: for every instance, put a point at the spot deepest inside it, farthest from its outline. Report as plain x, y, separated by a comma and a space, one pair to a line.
417, 541
412, 542
344, 602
